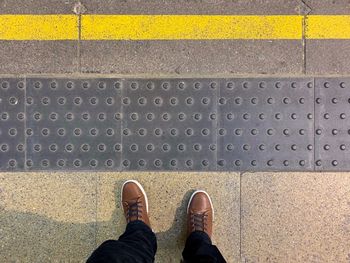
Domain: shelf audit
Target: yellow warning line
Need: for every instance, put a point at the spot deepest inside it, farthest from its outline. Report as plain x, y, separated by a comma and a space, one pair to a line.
39, 27
177, 27
173, 27
328, 27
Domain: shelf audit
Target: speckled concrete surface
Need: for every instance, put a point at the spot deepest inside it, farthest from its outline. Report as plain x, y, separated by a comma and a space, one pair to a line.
327, 56
192, 57
47, 217
38, 57
153, 57
259, 217
295, 217
185, 57
326, 7
168, 194
153, 6
63, 217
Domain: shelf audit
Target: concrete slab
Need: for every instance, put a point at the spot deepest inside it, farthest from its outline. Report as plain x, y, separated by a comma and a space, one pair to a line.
192, 57
295, 217
18, 57
47, 217
153, 57
38, 56
327, 57
37, 6
191, 7
328, 7
168, 194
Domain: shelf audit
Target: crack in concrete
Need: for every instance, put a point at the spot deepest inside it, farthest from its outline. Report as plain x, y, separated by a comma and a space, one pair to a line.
306, 10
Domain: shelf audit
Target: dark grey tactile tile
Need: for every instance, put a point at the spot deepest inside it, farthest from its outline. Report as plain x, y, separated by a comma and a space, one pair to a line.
266, 124
73, 124
169, 124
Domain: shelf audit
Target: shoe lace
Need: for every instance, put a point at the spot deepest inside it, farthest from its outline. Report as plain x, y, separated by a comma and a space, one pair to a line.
199, 221
134, 210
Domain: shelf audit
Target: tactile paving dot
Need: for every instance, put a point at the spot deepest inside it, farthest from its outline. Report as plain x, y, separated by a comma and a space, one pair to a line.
169, 124
12, 121
332, 128
266, 124
73, 124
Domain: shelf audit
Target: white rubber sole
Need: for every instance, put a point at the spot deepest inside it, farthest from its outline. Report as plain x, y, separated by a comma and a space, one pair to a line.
140, 186
200, 191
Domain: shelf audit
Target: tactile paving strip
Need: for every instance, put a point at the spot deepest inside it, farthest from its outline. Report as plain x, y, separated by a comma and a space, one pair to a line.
12, 122
256, 124
332, 127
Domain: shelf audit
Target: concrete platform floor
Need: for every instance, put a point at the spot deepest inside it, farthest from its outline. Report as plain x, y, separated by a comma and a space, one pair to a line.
259, 217
62, 217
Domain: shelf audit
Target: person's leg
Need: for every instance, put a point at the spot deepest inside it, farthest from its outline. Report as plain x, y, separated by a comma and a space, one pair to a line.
138, 243
199, 247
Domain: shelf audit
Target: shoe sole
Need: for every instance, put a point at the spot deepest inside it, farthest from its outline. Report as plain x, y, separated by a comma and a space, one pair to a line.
139, 186
201, 191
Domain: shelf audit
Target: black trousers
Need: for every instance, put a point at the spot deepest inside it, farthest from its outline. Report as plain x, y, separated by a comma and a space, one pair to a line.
139, 244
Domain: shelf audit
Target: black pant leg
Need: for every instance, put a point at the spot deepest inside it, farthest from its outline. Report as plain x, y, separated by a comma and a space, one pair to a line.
137, 244
199, 249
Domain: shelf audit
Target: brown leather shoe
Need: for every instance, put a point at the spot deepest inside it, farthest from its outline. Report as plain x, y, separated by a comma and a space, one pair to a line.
200, 213
134, 202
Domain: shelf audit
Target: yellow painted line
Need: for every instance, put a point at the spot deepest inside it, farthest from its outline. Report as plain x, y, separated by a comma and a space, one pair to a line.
39, 27
177, 27
172, 27
328, 27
